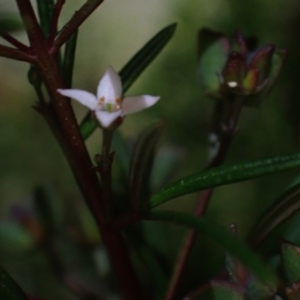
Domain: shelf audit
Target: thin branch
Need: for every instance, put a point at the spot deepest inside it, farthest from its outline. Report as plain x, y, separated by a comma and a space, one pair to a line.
16, 54
33, 29
15, 42
57, 9
78, 18
226, 136
186, 248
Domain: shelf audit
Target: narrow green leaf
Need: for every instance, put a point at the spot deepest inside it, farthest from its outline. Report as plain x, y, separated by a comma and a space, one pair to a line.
223, 236
145, 56
132, 70
68, 60
9, 289
45, 11
224, 175
10, 23
283, 209
141, 164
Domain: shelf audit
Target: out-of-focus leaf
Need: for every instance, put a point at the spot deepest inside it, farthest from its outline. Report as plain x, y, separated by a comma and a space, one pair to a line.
258, 290
9, 289
224, 237
280, 211
68, 60
15, 239
290, 255
224, 175
10, 23
218, 290
46, 209
149, 257
165, 164
121, 151
133, 69
141, 164
45, 11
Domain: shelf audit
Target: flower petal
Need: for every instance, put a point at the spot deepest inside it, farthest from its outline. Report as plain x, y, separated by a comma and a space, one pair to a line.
110, 86
134, 104
106, 118
85, 98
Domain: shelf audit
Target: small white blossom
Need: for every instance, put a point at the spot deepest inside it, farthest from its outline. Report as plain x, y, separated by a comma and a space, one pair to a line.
108, 105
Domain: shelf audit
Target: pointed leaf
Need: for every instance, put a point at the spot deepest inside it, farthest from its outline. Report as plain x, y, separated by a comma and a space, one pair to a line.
224, 175
68, 60
133, 69
225, 238
9, 289
217, 290
141, 164
290, 255
45, 11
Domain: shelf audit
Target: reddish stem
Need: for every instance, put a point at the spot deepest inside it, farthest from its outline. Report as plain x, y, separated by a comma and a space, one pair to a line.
16, 54
187, 247
66, 129
15, 42
56, 13
79, 17
34, 32
231, 118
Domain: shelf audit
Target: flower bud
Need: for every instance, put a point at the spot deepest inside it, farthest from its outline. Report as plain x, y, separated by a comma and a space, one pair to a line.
234, 68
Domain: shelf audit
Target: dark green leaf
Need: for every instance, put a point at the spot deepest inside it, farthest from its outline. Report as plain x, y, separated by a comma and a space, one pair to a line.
133, 69
290, 255
122, 152
46, 209
9, 289
68, 60
258, 290
224, 175
280, 211
10, 23
218, 290
141, 164
224, 237
145, 56
45, 11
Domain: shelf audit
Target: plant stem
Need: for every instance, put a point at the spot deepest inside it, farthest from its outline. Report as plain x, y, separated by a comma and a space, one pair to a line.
79, 17
56, 13
16, 54
226, 134
65, 127
15, 42
104, 165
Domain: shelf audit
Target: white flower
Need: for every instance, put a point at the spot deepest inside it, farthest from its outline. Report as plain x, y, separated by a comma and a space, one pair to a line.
108, 105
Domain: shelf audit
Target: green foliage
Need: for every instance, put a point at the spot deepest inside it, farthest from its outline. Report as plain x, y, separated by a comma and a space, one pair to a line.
224, 175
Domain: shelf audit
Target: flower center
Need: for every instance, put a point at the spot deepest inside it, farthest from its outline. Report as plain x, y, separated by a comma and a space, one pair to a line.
108, 106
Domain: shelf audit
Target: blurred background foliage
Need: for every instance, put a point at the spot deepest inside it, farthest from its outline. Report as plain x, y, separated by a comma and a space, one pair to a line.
30, 157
